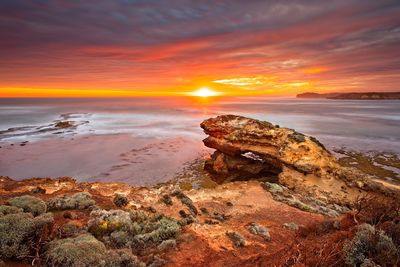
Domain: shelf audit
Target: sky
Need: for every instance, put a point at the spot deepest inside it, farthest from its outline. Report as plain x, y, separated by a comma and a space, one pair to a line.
171, 47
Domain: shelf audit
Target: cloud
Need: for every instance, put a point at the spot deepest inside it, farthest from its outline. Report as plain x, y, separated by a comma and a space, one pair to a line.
246, 82
158, 45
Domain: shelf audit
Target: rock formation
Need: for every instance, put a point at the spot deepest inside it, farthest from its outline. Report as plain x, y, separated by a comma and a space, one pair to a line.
248, 148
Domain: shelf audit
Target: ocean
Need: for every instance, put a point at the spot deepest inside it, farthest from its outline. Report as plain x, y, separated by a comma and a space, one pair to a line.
147, 140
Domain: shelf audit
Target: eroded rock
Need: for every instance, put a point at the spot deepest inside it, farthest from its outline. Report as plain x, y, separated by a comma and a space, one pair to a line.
248, 148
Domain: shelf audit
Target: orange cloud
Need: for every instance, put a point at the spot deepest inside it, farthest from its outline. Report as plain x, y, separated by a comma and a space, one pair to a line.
159, 48
315, 70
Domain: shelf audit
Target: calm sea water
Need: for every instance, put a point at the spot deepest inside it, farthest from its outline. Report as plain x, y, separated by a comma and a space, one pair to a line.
359, 125
144, 141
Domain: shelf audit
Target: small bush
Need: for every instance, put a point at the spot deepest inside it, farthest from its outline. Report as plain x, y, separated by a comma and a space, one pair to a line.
229, 204
393, 230
220, 216
38, 190
370, 244
81, 200
83, 250
237, 239
120, 200
123, 257
31, 204
291, 226
159, 230
167, 200
86, 250
260, 230
374, 210
369, 263
20, 231
272, 187
167, 244
103, 222
70, 215
185, 200
156, 261
318, 228
204, 210
4, 210
132, 229
120, 239
211, 221
189, 219
69, 230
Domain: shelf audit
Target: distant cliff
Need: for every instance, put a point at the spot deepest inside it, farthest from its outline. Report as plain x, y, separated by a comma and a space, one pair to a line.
355, 96
316, 95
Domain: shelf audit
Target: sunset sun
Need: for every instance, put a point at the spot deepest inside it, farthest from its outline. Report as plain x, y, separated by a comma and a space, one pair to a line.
204, 92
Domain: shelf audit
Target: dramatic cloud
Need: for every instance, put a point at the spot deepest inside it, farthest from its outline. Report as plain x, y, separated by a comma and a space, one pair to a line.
150, 46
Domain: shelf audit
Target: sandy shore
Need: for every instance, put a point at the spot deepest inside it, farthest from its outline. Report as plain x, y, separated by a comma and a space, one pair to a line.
125, 158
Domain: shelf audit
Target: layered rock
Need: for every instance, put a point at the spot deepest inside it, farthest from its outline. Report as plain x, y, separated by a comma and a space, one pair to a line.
248, 148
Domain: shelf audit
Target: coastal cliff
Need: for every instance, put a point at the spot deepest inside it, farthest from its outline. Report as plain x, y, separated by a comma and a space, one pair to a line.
281, 195
353, 96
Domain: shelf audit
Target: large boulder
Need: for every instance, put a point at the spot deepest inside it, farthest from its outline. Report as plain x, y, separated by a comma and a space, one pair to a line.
248, 148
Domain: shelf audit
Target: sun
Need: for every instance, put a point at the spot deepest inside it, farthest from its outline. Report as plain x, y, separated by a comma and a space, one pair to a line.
204, 92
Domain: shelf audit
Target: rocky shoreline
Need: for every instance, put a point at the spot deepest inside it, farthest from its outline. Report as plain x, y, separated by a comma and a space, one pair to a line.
276, 196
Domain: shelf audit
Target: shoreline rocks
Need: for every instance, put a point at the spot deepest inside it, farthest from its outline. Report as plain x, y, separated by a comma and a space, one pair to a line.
251, 149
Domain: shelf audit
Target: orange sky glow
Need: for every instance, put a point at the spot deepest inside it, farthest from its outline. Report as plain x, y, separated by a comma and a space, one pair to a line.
233, 48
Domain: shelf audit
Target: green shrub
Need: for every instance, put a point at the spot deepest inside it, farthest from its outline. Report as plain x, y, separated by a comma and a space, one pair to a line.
394, 232
370, 244
185, 200
260, 230
81, 200
155, 261
123, 257
291, 226
19, 231
103, 222
159, 230
4, 210
69, 230
31, 204
237, 239
120, 239
120, 200
189, 219
83, 250
272, 187
167, 200
132, 229
138, 216
369, 263
38, 190
167, 244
